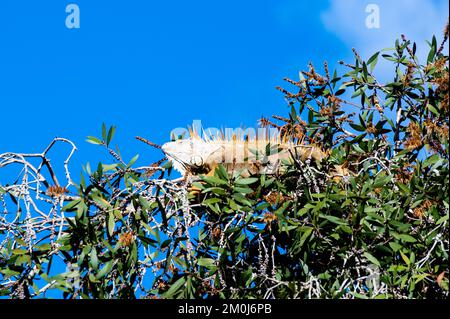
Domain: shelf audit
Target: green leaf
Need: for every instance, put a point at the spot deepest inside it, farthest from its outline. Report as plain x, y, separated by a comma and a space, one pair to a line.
442, 219
381, 180
94, 140
93, 259
358, 295
175, 287
221, 172
305, 235
406, 238
147, 240
420, 277
111, 132
372, 259
133, 160
242, 190
9, 273
166, 243
19, 251
405, 259
101, 202
433, 109
44, 247
357, 127
247, 181
333, 219
365, 72
108, 167
103, 131
372, 62
432, 52
106, 269
241, 199
357, 93
71, 205
215, 190
213, 180
111, 223
206, 262
431, 160
198, 185
395, 246
211, 201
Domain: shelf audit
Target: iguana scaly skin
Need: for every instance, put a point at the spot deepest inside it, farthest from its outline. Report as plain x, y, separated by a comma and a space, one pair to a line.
195, 156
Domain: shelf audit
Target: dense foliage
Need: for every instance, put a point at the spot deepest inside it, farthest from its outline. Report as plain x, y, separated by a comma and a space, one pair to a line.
369, 221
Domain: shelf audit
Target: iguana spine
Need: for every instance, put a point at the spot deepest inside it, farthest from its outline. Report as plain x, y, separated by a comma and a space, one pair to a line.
248, 155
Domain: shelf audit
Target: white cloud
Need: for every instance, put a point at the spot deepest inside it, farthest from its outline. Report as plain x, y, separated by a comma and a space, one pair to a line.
419, 20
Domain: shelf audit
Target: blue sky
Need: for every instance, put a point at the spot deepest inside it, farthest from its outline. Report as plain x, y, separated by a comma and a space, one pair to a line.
149, 67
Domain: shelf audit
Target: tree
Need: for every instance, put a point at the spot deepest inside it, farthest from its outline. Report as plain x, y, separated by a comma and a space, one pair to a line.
368, 221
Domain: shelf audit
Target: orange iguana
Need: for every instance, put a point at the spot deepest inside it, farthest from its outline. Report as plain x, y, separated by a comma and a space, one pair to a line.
195, 155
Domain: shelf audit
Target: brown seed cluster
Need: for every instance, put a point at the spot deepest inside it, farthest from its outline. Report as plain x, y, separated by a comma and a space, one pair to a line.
56, 191
126, 239
441, 80
406, 80
269, 218
208, 288
290, 95
370, 129
173, 269
274, 197
376, 103
265, 122
313, 76
415, 137
405, 175
162, 285
334, 101
216, 232
326, 111
339, 172
444, 40
159, 265
420, 210
288, 129
378, 190
149, 172
433, 128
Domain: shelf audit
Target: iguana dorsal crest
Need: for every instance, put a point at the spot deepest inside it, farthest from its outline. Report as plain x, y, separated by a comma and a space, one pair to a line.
200, 155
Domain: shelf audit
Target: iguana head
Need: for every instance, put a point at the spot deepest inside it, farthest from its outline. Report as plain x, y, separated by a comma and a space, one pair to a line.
188, 155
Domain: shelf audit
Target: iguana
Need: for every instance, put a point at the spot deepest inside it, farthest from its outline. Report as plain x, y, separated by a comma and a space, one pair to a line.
197, 155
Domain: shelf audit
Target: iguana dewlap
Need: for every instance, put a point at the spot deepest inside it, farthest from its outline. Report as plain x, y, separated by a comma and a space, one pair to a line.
195, 156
